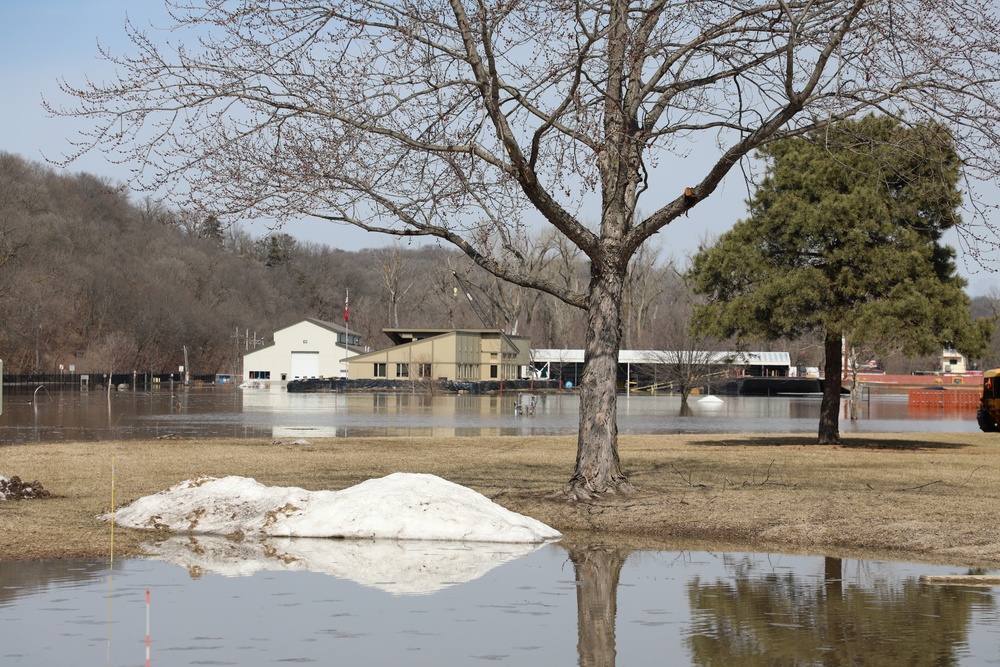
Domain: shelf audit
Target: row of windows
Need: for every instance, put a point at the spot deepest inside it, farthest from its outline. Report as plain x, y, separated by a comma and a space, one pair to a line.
351, 339
463, 371
402, 370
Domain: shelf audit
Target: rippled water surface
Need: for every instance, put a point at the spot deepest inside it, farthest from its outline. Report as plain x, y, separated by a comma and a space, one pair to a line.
552, 606
231, 412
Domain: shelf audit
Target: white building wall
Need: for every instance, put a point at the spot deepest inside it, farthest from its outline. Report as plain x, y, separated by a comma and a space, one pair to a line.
302, 337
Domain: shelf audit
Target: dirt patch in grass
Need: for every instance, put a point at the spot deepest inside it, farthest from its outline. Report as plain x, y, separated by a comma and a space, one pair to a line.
927, 497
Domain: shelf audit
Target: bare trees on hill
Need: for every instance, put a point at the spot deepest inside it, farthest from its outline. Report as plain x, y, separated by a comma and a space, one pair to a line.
85, 270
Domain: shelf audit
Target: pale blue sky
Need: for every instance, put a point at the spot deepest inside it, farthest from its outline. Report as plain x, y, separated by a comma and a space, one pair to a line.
43, 40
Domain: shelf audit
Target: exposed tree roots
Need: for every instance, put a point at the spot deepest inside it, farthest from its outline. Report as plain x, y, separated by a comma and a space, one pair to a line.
579, 489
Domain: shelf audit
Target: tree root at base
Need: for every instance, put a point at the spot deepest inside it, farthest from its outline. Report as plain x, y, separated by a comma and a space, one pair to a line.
582, 490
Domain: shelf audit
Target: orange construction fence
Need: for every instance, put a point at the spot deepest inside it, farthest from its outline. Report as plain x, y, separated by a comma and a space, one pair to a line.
944, 398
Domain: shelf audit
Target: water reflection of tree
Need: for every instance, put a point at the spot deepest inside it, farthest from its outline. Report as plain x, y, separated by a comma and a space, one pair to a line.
784, 619
597, 569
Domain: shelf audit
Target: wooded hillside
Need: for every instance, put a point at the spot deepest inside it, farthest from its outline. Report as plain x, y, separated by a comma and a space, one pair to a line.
92, 277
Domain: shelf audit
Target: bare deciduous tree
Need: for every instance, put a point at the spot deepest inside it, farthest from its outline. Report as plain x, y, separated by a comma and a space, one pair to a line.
391, 268
645, 284
685, 360
111, 351
463, 120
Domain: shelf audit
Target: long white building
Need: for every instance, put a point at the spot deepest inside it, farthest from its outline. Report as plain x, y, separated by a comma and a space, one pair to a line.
567, 365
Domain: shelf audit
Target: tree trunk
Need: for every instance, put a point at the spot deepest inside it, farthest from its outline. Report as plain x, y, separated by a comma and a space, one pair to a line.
855, 394
829, 411
597, 465
685, 392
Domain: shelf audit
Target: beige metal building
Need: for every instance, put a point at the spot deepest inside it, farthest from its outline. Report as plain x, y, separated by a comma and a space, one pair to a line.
468, 355
308, 349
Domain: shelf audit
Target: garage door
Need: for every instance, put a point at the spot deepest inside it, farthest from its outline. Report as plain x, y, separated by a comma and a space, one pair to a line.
305, 364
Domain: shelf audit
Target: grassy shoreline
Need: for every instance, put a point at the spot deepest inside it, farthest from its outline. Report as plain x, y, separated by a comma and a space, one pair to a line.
929, 497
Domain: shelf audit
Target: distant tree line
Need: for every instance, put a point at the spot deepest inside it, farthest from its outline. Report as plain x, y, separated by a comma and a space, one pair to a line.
92, 278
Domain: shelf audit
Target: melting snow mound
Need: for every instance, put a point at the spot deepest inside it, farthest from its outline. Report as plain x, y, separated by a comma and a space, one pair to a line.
404, 506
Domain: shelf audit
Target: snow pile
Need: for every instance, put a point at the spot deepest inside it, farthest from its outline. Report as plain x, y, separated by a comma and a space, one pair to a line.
709, 404
402, 506
399, 567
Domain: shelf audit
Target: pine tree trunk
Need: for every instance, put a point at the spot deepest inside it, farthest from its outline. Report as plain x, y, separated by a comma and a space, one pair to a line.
829, 412
597, 464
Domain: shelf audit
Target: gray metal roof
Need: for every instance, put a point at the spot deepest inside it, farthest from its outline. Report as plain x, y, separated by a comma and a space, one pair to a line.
668, 357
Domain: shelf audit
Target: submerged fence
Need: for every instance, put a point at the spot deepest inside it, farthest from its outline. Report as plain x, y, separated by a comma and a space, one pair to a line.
89, 381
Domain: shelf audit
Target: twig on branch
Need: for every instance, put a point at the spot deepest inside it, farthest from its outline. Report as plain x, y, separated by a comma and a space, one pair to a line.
921, 486
974, 470
941, 481
688, 478
767, 478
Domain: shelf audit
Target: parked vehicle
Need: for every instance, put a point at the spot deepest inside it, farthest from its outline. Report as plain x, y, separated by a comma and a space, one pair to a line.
988, 414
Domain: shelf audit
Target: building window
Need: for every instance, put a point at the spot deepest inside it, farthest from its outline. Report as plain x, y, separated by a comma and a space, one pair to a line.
424, 370
493, 371
260, 375
402, 370
380, 370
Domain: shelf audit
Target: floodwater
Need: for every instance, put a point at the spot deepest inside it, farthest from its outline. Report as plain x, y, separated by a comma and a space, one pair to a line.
550, 606
210, 601
228, 411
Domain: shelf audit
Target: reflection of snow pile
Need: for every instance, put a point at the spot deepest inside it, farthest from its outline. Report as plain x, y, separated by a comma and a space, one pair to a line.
400, 567
401, 506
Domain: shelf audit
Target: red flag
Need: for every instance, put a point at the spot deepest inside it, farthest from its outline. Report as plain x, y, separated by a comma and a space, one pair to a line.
346, 299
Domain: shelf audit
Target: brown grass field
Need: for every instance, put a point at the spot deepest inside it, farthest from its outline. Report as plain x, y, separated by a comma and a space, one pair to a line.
915, 497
